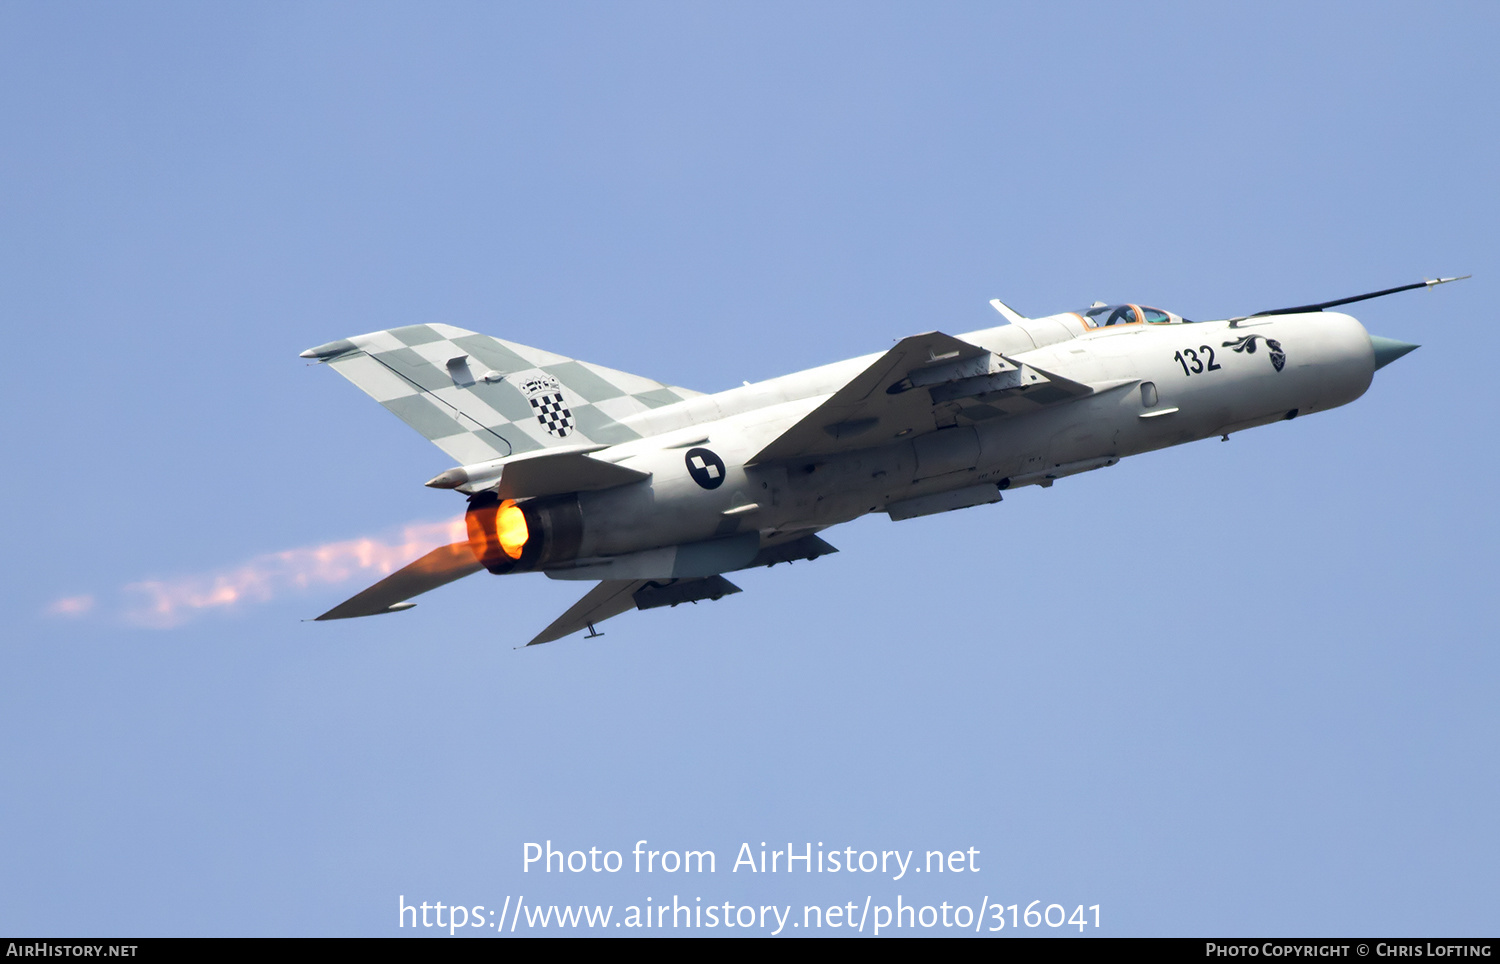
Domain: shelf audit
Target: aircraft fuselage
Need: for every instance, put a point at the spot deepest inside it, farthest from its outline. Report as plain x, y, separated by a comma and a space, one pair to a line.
1155, 386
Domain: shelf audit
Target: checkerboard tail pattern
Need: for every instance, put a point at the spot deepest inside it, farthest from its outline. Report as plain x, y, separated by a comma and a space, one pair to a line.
479, 398
553, 413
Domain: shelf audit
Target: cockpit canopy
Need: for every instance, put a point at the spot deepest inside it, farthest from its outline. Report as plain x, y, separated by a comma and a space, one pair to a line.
1113, 316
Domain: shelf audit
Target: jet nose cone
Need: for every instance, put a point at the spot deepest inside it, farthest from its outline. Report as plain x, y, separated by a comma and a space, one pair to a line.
1388, 350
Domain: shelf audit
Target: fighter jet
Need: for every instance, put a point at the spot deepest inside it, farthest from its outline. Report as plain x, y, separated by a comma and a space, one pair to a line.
653, 492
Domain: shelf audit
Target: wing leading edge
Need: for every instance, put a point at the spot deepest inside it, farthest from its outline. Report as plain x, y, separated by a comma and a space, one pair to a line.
438, 568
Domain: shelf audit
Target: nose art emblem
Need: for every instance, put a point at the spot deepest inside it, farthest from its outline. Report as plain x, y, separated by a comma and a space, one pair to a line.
1273, 348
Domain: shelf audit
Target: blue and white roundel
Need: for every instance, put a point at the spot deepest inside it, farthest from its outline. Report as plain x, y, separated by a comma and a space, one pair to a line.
706, 468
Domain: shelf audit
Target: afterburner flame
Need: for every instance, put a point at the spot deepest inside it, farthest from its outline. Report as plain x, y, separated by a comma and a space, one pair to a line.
510, 526
163, 603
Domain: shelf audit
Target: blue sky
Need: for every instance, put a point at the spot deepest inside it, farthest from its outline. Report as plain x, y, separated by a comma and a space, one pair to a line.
1224, 689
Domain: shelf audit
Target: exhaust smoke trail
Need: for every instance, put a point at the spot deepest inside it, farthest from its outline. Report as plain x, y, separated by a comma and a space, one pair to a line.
71, 605
164, 603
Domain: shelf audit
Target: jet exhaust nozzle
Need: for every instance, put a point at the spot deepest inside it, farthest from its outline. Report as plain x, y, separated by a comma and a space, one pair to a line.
508, 536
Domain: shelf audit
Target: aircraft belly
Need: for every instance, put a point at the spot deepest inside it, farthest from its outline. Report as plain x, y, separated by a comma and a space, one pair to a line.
1082, 441
836, 489
839, 488
948, 450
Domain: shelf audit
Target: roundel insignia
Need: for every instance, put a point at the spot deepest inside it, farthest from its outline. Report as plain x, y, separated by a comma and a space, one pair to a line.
706, 468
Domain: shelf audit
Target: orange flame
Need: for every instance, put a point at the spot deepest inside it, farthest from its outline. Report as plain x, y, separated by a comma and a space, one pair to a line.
510, 526
171, 602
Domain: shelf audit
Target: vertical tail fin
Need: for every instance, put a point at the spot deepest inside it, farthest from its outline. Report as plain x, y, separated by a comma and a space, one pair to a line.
479, 398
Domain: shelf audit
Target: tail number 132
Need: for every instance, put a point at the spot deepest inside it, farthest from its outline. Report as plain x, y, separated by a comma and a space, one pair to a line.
1192, 363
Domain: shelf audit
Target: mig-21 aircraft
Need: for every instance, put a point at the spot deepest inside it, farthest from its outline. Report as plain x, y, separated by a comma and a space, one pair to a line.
654, 492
